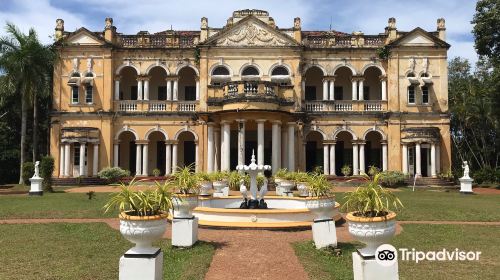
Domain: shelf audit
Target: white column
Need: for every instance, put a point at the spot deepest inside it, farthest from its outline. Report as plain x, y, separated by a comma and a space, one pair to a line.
284, 148
325, 89
139, 90
216, 150
418, 159
384, 89
332, 90
197, 88
260, 142
241, 142
82, 158
222, 148
291, 146
433, 159
168, 159
361, 90
196, 157
332, 159
362, 168
405, 159
210, 148
438, 158
355, 159
175, 90
174, 157
326, 159
95, 158
354, 90
61, 160
138, 159
146, 90
116, 153
384, 156
145, 159
303, 87
117, 89
67, 156
276, 147
227, 146
169, 90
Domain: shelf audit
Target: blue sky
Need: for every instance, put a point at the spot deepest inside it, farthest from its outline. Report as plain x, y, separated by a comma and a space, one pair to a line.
131, 16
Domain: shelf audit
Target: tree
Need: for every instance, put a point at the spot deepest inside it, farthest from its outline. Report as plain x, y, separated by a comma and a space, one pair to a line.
487, 28
26, 64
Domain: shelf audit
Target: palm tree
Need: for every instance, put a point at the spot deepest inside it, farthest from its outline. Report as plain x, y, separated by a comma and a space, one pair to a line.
26, 63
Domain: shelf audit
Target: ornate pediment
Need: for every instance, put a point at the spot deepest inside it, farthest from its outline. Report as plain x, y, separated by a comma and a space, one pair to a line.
84, 37
419, 38
252, 32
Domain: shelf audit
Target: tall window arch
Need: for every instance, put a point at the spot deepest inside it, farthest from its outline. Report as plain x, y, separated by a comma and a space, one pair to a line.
220, 71
250, 71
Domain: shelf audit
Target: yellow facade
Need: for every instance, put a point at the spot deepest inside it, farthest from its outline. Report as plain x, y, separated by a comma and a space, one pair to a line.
298, 99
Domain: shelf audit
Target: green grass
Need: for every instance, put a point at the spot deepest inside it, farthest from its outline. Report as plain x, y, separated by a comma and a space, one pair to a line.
438, 205
324, 264
85, 251
54, 205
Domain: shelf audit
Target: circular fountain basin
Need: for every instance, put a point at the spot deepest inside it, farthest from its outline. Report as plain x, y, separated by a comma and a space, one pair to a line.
282, 212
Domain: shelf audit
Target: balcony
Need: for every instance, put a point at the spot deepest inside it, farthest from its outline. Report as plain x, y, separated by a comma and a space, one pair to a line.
155, 106
346, 106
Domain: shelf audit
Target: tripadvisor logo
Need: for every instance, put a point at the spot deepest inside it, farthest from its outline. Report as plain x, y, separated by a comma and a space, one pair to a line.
387, 255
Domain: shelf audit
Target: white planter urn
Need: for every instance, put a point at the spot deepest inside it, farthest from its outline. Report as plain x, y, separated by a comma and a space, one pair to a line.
277, 181
372, 231
183, 205
142, 231
323, 208
219, 188
303, 189
286, 187
205, 188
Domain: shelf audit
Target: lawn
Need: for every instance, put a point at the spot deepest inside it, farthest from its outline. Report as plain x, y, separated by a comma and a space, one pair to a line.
54, 205
438, 205
85, 251
324, 264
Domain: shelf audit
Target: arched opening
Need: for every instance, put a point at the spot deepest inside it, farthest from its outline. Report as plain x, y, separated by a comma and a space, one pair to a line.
343, 152
127, 155
250, 71
128, 84
220, 74
156, 152
187, 149
314, 151
220, 71
343, 83
373, 150
314, 84
157, 83
187, 84
280, 71
372, 86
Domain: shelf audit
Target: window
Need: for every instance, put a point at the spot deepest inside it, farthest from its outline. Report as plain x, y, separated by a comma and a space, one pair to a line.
250, 71
366, 93
338, 93
310, 93
133, 93
190, 93
220, 71
425, 95
280, 71
411, 95
89, 92
162, 93
75, 95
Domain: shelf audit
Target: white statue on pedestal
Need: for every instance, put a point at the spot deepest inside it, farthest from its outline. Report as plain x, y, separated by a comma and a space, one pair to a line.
465, 166
36, 181
466, 181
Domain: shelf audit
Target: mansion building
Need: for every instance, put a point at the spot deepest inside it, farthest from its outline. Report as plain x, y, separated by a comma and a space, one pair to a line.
298, 99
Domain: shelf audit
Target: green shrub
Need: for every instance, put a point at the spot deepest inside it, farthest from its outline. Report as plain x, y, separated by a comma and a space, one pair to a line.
346, 170
113, 174
28, 171
373, 170
46, 170
486, 175
391, 178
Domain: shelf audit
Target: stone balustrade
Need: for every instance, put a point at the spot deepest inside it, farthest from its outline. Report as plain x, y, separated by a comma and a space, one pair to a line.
155, 106
345, 106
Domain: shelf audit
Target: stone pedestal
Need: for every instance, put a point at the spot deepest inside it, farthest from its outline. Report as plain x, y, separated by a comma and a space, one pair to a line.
36, 185
324, 233
370, 269
218, 194
466, 185
225, 191
147, 266
184, 231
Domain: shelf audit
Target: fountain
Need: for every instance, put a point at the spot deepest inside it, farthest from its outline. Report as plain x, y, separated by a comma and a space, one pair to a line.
256, 196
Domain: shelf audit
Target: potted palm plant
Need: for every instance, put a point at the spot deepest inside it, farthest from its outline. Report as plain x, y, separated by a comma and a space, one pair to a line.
143, 214
371, 217
186, 199
302, 180
278, 178
219, 181
205, 181
320, 201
